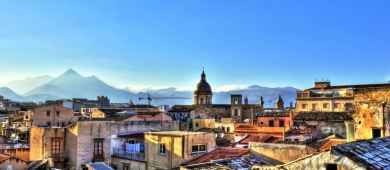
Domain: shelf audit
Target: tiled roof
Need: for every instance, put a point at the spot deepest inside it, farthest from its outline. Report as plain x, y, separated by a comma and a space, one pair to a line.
182, 108
327, 143
217, 154
246, 162
259, 138
273, 114
374, 153
228, 158
356, 86
323, 116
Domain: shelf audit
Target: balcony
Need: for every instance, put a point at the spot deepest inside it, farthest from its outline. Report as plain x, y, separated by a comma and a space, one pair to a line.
123, 154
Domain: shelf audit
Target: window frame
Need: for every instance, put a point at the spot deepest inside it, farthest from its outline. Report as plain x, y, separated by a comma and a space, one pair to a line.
271, 123
199, 148
55, 146
98, 149
162, 149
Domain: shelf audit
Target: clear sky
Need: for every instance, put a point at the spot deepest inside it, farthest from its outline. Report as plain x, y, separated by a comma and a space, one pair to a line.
166, 43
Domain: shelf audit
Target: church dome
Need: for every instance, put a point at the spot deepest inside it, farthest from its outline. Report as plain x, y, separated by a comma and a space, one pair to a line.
203, 86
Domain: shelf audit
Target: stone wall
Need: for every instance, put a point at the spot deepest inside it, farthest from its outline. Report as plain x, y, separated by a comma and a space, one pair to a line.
369, 107
203, 123
88, 131
41, 144
56, 114
281, 152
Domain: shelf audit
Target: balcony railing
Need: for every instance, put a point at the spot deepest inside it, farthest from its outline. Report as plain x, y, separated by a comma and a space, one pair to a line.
121, 153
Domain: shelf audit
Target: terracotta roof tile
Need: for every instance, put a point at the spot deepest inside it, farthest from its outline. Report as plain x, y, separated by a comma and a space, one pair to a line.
217, 154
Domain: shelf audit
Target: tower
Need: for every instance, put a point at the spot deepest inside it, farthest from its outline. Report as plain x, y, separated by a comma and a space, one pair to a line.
280, 103
236, 107
203, 93
261, 103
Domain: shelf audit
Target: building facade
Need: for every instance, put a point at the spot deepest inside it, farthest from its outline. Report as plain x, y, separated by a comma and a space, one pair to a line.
167, 150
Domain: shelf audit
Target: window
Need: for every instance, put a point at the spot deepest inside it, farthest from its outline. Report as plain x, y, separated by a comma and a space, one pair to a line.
325, 106
313, 106
163, 149
376, 133
48, 113
98, 153
331, 166
55, 147
281, 123
235, 112
271, 123
58, 113
48, 123
304, 106
126, 166
198, 149
336, 105
348, 106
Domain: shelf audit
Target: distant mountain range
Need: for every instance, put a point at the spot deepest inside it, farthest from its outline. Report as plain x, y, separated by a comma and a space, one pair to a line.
71, 84
23, 86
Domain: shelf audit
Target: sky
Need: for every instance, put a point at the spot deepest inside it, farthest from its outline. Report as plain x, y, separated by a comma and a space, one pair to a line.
166, 43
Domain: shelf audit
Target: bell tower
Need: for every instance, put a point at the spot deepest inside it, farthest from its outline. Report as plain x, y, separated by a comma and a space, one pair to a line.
203, 94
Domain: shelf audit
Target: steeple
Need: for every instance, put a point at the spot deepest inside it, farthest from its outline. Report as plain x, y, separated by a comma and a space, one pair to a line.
280, 103
261, 102
203, 75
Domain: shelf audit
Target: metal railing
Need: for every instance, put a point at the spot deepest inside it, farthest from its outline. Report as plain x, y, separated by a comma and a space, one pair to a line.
121, 153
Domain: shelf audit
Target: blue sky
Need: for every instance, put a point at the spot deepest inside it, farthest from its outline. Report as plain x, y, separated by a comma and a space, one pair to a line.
166, 43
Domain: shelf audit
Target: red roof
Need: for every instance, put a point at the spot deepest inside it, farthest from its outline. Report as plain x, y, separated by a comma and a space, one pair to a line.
259, 138
217, 154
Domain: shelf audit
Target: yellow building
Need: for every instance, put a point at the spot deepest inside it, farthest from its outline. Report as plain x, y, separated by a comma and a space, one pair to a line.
168, 149
203, 123
368, 105
325, 98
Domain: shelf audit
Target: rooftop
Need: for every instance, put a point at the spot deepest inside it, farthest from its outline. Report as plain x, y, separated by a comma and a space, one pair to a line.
374, 153
244, 162
217, 154
323, 116
355, 86
176, 133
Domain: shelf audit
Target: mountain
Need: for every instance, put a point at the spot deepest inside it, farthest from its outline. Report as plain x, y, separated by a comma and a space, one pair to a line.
254, 93
9, 94
25, 85
173, 96
167, 96
73, 85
